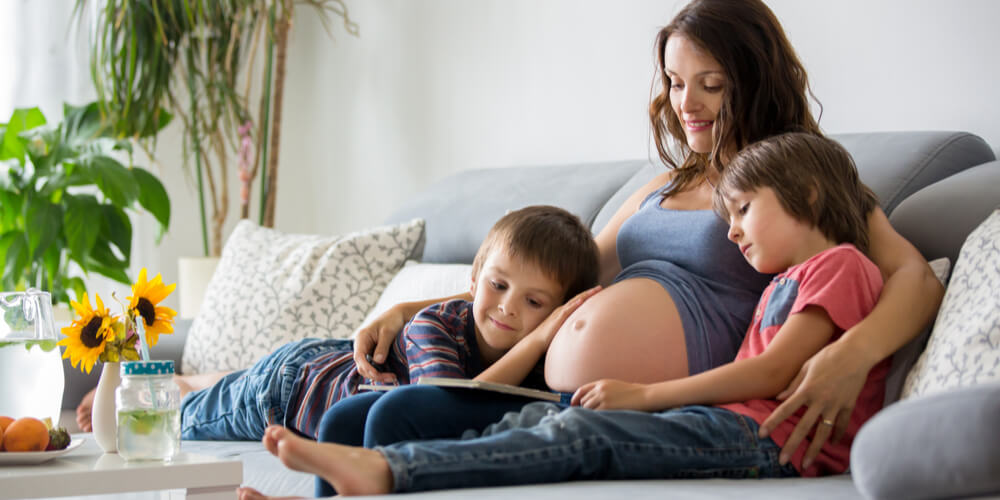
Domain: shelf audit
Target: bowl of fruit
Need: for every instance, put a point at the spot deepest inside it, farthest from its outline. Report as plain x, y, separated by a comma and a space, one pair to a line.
29, 440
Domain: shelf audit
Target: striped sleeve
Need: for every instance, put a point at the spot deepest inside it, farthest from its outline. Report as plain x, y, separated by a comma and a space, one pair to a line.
435, 344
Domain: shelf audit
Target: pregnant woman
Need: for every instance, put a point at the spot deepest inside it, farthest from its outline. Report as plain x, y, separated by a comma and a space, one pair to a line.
678, 295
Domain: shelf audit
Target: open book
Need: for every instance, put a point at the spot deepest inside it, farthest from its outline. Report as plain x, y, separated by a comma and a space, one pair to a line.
474, 384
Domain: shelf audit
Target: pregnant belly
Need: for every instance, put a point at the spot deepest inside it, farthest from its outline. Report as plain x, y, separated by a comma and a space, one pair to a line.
629, 331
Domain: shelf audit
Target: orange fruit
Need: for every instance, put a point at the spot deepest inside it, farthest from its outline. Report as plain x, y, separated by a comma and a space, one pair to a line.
26, 434
4, 422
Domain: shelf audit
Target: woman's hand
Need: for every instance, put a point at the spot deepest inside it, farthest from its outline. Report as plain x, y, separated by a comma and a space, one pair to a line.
828, 385
611, 394
376, 339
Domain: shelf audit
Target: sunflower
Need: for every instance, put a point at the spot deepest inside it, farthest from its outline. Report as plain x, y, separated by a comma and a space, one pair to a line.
87, 336
143, 304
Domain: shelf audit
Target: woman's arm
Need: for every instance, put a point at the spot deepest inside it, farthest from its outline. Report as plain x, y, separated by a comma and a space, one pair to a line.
759, 377
517, 363
377, 337
607, 239
830, 382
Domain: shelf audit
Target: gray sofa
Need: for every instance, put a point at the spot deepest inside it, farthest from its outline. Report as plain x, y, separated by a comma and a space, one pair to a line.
935, 186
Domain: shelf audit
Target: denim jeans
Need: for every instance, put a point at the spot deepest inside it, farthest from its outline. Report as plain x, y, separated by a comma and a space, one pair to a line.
410, 413
242, 404
545, 443
420, 412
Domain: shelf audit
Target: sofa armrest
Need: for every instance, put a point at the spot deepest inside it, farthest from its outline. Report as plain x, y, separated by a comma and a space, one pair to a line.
79, 383
939, 217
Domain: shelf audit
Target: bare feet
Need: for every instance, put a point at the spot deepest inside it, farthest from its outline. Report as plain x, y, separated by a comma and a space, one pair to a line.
246, 493
350, 470
83, 411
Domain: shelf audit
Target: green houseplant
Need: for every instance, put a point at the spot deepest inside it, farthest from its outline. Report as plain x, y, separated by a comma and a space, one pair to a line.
65, 198
201, 59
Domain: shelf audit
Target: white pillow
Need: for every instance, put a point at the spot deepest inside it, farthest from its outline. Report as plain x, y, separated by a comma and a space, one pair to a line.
418, 281
964, 347
271, 288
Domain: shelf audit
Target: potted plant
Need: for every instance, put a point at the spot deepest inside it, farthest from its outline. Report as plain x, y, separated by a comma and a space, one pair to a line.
65, 199
199, 59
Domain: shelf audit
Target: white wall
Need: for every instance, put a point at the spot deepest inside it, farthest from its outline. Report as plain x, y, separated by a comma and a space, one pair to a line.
436, 86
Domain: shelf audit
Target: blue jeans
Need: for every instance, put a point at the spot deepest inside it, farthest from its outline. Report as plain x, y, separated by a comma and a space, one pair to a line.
420, 412
410, 413
243, 403
546, 443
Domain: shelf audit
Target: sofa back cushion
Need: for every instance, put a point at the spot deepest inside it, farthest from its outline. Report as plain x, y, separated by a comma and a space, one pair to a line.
939, 217
898, 164
460, 209
894, 164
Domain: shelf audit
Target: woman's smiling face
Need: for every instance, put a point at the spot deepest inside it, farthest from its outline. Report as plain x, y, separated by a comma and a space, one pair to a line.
697, 85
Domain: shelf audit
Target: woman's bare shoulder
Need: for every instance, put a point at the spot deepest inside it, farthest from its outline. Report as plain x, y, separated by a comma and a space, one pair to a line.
657, 182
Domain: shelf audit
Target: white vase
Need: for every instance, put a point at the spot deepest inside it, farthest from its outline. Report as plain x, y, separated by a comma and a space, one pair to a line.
103, 416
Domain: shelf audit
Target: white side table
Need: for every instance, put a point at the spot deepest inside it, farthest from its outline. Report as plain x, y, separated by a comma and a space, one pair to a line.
88, 471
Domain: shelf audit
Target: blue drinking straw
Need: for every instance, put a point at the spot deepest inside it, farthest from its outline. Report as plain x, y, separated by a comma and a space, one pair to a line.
140, 328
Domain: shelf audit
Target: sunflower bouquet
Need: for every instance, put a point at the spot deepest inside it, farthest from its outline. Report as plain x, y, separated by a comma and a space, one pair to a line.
97, 335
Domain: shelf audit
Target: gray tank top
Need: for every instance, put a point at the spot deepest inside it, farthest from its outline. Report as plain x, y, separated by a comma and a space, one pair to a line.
688, 254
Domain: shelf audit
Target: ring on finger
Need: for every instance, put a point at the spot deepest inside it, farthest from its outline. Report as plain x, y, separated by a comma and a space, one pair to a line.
827, 421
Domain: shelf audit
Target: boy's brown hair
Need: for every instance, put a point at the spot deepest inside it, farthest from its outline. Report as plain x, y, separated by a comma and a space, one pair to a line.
813, 177
551, 238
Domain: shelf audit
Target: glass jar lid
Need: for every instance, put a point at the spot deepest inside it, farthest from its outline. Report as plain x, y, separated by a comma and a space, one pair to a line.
152, 367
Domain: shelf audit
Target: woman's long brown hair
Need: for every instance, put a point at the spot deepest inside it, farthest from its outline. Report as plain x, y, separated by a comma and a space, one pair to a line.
766, 90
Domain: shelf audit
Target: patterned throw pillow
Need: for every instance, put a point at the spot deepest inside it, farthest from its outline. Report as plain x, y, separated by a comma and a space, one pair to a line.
271, 288
964, 347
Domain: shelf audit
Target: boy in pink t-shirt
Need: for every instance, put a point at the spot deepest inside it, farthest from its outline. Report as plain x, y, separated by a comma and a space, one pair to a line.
795, 206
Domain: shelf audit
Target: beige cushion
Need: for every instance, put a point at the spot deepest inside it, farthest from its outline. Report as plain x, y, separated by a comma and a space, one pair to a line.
271, 288
964, 346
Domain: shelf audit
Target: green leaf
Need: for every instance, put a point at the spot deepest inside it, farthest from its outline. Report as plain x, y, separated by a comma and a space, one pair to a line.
161, 118
102, 260
44, 147
82, 224
152, 196
10, 208
116, 228
12, 146
76, 284
115, 181
52, 260
81, 124
14, 250
42, 225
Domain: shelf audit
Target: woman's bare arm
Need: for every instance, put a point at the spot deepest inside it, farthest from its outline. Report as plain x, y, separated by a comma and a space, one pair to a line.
830, 382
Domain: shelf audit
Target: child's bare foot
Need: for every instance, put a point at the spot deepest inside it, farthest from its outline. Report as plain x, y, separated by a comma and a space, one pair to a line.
83, 411
350, 470
245, 493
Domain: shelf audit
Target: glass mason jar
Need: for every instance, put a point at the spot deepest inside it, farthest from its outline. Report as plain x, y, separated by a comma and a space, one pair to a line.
149, 417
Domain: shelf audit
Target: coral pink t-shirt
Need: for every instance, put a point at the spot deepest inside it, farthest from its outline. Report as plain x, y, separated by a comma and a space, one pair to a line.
846, 284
